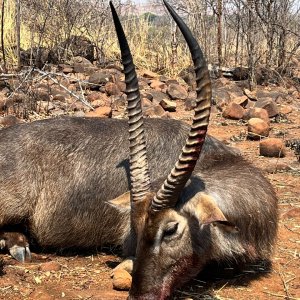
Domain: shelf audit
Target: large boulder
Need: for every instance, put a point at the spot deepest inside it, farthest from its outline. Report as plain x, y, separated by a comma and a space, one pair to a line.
73, 46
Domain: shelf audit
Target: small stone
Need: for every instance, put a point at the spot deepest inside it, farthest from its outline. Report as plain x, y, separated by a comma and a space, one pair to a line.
99, 78
158, 85
190, 104
157, 96
257, 128
233, 111
79, 114
149, 74
112, 89
121, 85
176, 91
250, 94
104, 112
269, 105
168, 105
122, 280
82, 65
242, 101
146, 103
50, 266
59, 97
154, 111
118, 102
272, 147
256, 112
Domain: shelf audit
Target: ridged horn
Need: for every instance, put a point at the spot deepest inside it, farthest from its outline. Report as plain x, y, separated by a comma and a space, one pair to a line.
139, 170
170, 191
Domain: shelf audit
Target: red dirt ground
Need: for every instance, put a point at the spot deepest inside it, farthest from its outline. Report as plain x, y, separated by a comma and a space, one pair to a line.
87, 276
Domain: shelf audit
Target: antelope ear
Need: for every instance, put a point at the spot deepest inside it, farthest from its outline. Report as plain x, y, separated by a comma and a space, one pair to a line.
208, 212
122, 202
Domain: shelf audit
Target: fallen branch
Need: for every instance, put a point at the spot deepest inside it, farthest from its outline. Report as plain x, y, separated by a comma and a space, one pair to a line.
82, 99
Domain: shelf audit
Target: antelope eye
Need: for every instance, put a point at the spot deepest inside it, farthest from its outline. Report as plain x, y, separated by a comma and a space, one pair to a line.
170, 229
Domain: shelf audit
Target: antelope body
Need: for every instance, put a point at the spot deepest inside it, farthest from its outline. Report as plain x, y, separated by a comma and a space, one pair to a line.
57, 175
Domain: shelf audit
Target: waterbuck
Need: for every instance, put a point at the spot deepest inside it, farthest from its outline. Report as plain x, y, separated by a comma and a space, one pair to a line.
221, 209
66, 181
57, 177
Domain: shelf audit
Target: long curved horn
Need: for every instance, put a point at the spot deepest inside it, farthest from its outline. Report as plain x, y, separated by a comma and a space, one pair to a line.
170, 191
139, 170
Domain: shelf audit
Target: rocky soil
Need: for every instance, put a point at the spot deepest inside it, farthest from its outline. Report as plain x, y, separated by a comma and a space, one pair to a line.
264, 125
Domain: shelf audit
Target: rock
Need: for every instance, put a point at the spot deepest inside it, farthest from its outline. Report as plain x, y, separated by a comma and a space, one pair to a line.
190, 104
121, 85
272, 147
257, 128
79, 114
154, 111
82, 65
75, 45
158, 85
99, 78
242, 101
9, 120
149, 74
146, 103
221, 97
172, 81
93, 96
168, 105
157, 96
233, 111
250, 94
118, 102
269, 105
176, 91
163, 78
122, 280
112, 89
50, 266
67, 70
104, 112
240, 73
146, 95
60, 97
255, 112
188, 75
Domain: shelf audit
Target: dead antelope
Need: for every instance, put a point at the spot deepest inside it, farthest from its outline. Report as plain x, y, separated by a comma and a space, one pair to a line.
57, 178
218, 209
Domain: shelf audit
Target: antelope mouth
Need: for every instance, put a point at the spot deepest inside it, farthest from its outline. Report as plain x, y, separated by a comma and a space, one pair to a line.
182, 272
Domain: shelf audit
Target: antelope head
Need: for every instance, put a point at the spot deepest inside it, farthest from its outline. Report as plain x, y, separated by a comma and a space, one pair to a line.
172, 230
